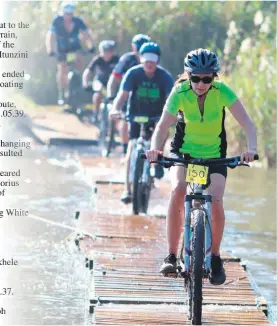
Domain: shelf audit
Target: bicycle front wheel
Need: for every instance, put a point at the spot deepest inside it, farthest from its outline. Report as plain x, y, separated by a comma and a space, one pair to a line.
146, 188
137, 184
111, 134
197, 261
103, 126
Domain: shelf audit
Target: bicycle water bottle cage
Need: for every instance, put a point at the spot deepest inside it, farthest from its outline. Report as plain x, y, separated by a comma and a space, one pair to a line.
71, 57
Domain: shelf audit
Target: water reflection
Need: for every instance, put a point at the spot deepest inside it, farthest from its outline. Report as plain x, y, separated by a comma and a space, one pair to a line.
250, 232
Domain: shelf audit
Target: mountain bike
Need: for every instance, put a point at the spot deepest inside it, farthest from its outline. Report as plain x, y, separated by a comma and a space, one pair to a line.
195, 255
140, 175
74, 95
107, 128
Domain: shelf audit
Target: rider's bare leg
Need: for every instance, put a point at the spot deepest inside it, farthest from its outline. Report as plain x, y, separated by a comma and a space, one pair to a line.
127, 185
216, 189
79, 62
175, 214
97, 99
124, 135
62, 75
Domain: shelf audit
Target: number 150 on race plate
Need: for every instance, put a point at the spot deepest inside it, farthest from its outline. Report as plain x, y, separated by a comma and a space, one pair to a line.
197, 174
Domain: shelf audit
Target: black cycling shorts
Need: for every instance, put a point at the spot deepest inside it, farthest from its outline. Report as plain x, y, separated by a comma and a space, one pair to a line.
134, 130
220, 169
62, 55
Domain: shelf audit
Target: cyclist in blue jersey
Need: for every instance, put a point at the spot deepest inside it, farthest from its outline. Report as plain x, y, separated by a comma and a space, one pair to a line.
101, 65
62, 38
146, 86
126, 61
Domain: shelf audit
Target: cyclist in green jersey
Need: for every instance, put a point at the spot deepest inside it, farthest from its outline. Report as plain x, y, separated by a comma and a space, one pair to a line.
200, 102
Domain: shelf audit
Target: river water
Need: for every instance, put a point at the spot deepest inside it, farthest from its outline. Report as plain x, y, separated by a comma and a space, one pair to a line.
49, 284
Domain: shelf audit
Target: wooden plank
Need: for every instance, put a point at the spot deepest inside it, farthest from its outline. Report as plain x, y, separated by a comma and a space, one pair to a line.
174, 315
127, 255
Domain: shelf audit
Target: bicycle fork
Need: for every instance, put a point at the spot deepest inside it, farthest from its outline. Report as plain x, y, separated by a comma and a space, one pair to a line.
192, 202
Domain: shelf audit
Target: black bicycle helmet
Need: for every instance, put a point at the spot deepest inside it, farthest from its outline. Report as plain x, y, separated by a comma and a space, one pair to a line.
139, 39
106, 45
201, 61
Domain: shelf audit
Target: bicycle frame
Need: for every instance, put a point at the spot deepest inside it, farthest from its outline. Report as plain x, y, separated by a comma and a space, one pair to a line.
141, 144
197, 200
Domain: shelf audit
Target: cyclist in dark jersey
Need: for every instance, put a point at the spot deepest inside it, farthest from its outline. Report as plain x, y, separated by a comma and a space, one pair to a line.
200, 133
146, 86
62, 38
101, 65
126, 61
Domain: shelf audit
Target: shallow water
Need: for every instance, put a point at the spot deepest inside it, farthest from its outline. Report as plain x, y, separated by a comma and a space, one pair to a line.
50, 282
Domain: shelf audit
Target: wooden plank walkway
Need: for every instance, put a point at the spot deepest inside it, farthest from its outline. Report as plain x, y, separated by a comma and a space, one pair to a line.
124, 258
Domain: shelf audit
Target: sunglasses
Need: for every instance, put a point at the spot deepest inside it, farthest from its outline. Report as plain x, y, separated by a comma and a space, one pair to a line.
205, 80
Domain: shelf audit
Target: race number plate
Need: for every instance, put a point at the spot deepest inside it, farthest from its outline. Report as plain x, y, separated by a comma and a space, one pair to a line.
71, 57
141, 119
197, 174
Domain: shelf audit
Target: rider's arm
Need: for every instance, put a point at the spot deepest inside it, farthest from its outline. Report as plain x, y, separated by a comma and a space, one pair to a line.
51, 36
85, 32
120, 100
242, 117
112, 86
127, 85
161, 131
50, 41
86, 77
88, 37
168, 118
168, 83
116, 76
230, 99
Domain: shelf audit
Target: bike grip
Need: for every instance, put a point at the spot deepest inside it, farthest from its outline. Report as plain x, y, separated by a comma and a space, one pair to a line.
143, 156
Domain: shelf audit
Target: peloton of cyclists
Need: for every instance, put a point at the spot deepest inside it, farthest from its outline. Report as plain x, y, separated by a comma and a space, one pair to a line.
146, 87
63, 38
101, 65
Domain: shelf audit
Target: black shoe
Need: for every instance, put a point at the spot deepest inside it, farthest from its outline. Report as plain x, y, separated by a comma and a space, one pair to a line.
126, 197
169, 265
218, 275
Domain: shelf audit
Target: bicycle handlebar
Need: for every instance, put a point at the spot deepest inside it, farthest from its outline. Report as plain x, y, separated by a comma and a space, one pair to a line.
230, 161
150, 119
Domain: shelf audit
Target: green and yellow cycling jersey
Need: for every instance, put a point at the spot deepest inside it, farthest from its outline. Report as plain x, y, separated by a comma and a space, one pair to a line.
201, 138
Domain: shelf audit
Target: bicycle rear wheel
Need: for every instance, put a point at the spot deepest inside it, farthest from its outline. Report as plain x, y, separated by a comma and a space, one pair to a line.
74, 90
197, 261
137, 184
